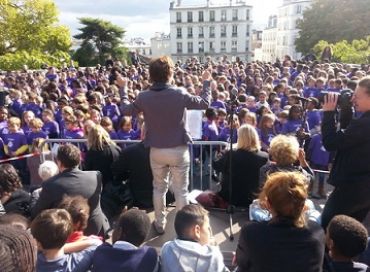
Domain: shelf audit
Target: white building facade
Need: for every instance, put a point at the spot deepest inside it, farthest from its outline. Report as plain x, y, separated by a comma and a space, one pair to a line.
139, 46
269, 40
211, 30
285, 32
160, 45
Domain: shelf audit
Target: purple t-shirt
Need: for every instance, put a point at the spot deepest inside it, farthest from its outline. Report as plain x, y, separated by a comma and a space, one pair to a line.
51, 129
112, 111
210, 131
124, 135
34, 135
14, 140
74, 134
316, 151
218, 104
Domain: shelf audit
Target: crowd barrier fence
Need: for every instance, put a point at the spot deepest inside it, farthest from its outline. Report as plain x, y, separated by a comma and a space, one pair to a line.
202, 154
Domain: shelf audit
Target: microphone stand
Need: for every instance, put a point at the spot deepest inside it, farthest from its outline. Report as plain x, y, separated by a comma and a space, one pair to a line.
233, 103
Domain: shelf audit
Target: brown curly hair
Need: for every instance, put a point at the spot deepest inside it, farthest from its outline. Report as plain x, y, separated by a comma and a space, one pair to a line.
9, 179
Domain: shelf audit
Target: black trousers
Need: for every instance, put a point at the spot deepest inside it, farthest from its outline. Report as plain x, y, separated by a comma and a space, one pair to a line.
352, 199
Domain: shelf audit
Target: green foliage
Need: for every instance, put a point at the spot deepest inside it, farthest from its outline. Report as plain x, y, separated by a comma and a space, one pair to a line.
333, 21
358, 51
33, 59
100, 39
29, 30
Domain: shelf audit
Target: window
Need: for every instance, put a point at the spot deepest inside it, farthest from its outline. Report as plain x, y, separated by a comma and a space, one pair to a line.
211, 31
190, 17
299, 9
223, 15
211, 47
178, 17
190, 32
201, 32
223, 31
235, 14
234, 46
212, 15
201, 47
179, 33
179, 47
248, 29
223, 46
248, 14
235, 31
190, 47
201, 16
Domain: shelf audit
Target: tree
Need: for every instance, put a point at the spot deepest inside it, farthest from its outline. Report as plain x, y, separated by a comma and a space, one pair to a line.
333, 21
343, 51
29, 28
100, 39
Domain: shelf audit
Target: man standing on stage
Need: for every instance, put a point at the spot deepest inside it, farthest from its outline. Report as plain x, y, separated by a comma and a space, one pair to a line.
164, 107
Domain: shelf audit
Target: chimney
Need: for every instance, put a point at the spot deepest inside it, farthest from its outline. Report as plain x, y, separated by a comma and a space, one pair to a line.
178, 3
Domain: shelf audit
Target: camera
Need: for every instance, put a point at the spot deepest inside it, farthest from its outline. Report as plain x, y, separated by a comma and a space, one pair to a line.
344, 99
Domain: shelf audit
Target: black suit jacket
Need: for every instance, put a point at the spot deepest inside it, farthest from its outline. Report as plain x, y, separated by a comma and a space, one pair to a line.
72, 182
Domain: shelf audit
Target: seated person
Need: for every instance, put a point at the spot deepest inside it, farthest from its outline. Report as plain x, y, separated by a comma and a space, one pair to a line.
285, 152
247, 160
346, 239
18, 250
126, 253
287, 242
79, 209
191, 250
51, 229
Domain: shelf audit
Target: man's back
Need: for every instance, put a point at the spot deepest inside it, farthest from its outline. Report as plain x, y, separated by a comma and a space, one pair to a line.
71, 182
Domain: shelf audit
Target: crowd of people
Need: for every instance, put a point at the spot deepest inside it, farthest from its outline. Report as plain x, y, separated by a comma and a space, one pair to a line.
285, 119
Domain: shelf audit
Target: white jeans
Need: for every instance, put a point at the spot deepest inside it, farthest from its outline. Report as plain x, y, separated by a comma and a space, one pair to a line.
163, 161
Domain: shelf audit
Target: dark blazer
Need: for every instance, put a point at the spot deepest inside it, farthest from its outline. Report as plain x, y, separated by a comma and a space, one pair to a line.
101, 160
245, 176
75, 182
280, 246
351, 162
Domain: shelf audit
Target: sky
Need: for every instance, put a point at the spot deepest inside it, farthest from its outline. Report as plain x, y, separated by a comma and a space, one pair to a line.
142, 18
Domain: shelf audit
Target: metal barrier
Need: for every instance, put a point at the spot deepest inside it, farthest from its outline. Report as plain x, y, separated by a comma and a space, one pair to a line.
202, 154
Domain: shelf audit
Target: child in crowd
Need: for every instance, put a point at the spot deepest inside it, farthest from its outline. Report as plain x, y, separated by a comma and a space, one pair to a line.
311, 90
67, 112
281, 120
251, 103
95, 116
33, 104
262, 100
226, 132
191, 250
319, 159
127, 252
210, 131
111, 110
15, 141
221, 119
250, 119
126, 132
313, 115
346, 239
51, 229
36, 131
79, 209
72, 129
50, 127
294, 122
266, 130
107, 124
26, 119
17, 103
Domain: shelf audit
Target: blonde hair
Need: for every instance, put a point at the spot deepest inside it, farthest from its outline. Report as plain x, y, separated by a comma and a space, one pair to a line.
248, 138
285, 193
97, 138
284, 150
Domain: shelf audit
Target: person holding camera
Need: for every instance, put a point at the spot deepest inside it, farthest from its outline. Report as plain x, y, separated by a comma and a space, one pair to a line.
350, 174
